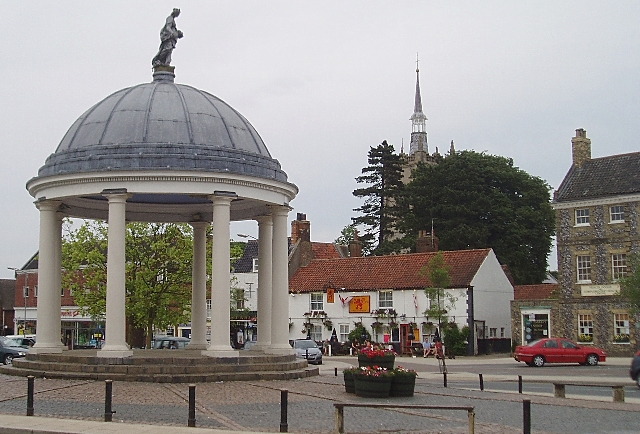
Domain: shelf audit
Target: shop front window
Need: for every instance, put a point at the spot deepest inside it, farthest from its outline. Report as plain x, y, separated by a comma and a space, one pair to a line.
534, 326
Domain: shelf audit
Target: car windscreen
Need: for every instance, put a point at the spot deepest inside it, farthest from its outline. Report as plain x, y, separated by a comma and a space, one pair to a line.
305, 344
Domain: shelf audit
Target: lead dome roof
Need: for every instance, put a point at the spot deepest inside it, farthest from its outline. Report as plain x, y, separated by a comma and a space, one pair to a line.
162, 125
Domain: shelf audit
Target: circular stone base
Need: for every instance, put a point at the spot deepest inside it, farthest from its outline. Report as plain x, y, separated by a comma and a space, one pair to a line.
162, 366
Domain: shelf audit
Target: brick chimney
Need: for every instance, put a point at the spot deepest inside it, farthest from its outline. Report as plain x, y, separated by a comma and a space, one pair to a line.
580, 148
300, 229
426, 242
301, 235
355, 246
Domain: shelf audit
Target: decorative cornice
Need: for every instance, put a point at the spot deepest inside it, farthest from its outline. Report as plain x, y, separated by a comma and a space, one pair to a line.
40, 184
610, 200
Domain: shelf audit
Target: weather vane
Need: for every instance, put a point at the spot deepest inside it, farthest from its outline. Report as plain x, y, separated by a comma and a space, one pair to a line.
169, 36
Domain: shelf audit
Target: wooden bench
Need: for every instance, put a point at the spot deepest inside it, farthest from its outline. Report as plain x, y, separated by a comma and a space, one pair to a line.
618, 389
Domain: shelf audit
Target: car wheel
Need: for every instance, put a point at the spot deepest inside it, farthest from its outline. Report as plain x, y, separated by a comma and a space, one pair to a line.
592, 359
8, 359
320, 362
538, 361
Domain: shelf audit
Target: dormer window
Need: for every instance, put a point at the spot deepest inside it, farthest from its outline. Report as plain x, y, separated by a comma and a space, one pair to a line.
582, 217
255, 265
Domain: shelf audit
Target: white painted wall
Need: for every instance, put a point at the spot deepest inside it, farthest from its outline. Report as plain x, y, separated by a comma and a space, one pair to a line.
493, 294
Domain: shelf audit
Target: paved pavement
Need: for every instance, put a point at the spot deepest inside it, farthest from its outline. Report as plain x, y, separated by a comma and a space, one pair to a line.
76, 406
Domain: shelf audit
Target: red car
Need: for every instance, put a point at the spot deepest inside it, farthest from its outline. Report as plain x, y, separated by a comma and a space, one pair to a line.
558, 350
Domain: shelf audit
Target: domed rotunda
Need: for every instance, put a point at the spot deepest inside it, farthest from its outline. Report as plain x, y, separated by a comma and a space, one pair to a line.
166, 152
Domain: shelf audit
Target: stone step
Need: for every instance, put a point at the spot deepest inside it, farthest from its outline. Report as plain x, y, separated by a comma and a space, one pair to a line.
155, 368
167, 378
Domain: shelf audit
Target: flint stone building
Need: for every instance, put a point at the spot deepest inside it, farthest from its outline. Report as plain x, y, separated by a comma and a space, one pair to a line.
597, 230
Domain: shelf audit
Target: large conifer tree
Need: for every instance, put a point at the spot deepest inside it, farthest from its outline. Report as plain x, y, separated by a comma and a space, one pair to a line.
379, 211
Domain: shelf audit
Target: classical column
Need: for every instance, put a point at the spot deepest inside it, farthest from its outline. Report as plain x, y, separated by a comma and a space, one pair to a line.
220, 279
48, 313
199, 288
265, 276
115, 344
280, 290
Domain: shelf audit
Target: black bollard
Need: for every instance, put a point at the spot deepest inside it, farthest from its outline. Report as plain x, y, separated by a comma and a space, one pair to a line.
284, 398
192, 406
30, 379
520, 384
108, 413
481, 382
335, 371
444, 377
526, 416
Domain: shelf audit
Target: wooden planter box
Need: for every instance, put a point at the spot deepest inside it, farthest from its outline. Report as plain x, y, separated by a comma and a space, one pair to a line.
349, 382
403, 385
372, 387
382, 361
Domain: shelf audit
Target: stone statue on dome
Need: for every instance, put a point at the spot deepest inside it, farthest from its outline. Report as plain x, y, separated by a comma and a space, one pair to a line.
169, 36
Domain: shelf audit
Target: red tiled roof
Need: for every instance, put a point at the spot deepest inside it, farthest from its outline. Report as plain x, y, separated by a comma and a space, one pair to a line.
324, 251
534, 292
385, 272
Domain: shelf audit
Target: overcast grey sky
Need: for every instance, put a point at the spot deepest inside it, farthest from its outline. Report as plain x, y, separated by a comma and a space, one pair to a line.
322, 81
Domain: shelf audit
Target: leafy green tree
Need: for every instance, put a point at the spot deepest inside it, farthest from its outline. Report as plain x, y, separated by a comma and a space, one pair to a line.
347, 235
159, 264
630, 284
85, 249
158, 272
379, 211
441, 300
475, 200
359, 333
455, 338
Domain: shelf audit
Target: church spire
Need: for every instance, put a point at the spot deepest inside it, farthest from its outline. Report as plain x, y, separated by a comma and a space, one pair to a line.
418, 120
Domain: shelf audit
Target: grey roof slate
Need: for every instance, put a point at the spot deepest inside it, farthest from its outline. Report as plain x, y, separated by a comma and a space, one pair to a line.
601, 177
163, 125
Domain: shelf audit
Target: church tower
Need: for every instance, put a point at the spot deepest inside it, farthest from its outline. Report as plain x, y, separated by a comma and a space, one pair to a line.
418, 122
418, 149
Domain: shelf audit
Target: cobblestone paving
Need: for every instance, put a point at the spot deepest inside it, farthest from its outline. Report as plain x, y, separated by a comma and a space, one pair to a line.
256, 406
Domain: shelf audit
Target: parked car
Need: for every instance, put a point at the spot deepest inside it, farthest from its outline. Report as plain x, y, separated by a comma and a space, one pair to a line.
558, 350
634, 371
308, 349
170, 343
9, 351
24, 341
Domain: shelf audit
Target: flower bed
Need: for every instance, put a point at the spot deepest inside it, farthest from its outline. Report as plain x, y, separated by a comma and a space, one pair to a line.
373, 382
382, 358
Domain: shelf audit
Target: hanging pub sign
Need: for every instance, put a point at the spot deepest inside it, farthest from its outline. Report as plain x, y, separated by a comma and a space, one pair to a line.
331, 293
359, 304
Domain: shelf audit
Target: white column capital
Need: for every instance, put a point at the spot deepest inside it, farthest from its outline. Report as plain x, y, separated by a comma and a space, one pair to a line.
266, 220
48, 205
280, 210
116, 195
222, 198
199, 225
